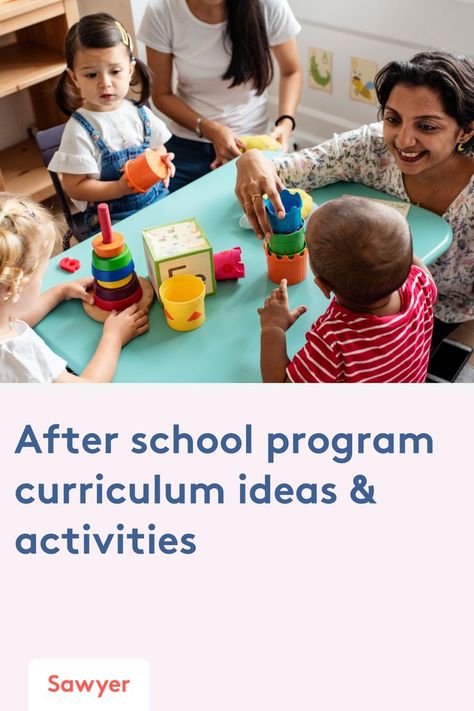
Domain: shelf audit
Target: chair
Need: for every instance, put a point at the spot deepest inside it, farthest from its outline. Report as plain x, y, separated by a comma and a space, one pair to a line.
48, 142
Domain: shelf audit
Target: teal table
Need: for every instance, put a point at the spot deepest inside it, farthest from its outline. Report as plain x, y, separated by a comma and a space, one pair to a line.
226, 348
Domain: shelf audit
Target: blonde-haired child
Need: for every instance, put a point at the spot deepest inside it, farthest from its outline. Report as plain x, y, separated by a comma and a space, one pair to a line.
27, 236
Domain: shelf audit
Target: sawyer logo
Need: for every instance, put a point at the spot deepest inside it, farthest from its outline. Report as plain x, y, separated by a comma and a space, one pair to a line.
106, 684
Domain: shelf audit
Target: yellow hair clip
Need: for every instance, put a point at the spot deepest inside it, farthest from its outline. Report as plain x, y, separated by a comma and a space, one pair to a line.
126, 39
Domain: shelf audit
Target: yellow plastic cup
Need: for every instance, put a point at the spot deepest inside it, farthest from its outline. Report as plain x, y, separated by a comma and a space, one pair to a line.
182, 297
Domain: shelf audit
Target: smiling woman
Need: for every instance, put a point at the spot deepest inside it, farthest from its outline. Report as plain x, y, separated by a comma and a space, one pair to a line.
421, 152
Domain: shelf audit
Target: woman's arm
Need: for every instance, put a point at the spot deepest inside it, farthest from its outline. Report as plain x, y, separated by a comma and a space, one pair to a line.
287, 58
357, 155
226, 144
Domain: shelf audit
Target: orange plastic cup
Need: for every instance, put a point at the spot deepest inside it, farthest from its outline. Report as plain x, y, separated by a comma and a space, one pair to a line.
145, 170
293, 268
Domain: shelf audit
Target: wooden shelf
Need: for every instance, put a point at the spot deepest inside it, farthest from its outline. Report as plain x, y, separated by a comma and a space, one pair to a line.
23, 171
16, 14
33, 61
24, 65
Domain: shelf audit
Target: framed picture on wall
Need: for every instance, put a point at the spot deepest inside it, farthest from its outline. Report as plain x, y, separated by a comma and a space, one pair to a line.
320, 69
361, 81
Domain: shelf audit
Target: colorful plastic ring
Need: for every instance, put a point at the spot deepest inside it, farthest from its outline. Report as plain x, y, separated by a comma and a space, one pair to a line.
112, 248
117, 294
113, 276
120, 304
115, 284
110, 265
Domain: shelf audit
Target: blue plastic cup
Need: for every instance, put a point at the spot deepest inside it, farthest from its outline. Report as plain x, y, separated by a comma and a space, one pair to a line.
292, 222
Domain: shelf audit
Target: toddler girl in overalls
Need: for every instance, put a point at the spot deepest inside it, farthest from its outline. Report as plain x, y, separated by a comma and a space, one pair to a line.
106, 129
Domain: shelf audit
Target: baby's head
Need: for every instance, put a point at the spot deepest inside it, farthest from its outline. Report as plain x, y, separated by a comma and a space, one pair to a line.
359, 249
28, 233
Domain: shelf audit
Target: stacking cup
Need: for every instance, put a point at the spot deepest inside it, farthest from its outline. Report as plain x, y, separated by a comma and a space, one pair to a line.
145, 170
182, 297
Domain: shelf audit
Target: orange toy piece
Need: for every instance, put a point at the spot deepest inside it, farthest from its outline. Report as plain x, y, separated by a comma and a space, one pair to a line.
293, 267
145, 170
108, 249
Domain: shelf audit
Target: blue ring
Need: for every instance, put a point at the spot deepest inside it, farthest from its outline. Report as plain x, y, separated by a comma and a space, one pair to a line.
115, 275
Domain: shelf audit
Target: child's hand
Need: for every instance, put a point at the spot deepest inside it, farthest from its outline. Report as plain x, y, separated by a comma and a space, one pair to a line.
167, 159
126, 324
79, 289
276, 311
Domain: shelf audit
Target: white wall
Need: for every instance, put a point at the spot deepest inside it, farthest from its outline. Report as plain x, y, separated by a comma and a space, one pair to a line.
378, 31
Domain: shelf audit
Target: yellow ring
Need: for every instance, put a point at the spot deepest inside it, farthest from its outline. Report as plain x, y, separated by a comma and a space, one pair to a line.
255, 196
115, 284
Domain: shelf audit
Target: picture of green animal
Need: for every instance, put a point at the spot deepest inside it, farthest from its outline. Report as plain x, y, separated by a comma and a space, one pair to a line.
315, 73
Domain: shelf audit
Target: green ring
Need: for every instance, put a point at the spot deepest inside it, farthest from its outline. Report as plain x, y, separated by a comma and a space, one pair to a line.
112, 263
287, 242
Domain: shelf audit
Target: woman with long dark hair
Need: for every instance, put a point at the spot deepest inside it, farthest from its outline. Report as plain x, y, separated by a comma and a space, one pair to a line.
221, 52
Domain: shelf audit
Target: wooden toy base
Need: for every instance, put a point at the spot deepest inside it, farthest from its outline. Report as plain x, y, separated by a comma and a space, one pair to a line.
145, 302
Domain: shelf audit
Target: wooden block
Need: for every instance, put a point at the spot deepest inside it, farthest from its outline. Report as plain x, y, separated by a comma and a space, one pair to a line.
179, 248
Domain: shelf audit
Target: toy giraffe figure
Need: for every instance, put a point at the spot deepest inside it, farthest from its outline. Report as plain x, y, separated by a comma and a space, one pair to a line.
116, 284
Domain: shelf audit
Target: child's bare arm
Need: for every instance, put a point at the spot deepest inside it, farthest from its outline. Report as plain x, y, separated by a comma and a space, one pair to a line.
48, 300
81, 187
418, 263
119, 329
275, 319
273, 356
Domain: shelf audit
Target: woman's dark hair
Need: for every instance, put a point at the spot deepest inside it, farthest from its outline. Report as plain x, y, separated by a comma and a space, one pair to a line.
451, 76
246, 31
97, 31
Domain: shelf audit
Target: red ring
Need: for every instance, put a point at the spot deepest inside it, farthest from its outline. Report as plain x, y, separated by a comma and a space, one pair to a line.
120, 304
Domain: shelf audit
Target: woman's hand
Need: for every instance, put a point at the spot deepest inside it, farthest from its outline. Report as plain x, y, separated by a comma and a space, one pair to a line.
226, 145
257, 176
282, 134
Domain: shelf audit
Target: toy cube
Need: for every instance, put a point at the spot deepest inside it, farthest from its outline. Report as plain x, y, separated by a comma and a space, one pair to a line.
179, 248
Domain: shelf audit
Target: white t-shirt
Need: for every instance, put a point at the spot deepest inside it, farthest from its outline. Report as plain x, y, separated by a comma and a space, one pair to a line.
25, 358
200, 59
122, 128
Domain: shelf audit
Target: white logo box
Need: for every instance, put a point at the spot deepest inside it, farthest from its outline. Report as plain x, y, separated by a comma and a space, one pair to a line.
107, 684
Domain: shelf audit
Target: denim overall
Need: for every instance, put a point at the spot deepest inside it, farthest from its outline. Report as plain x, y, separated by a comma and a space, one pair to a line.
111, 164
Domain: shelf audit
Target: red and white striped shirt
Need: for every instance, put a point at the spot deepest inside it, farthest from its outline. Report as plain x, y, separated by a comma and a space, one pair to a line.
348, 347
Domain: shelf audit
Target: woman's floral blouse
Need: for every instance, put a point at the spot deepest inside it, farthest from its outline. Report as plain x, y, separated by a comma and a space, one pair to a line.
361, 156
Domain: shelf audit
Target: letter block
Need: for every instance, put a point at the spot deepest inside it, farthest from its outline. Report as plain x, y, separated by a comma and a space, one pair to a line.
179, 248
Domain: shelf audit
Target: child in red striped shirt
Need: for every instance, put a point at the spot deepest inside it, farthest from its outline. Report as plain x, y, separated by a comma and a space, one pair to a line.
379, 324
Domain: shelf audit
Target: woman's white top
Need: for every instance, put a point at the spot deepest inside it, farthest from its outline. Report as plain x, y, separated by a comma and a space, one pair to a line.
25, 358
201, 57
121, 128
